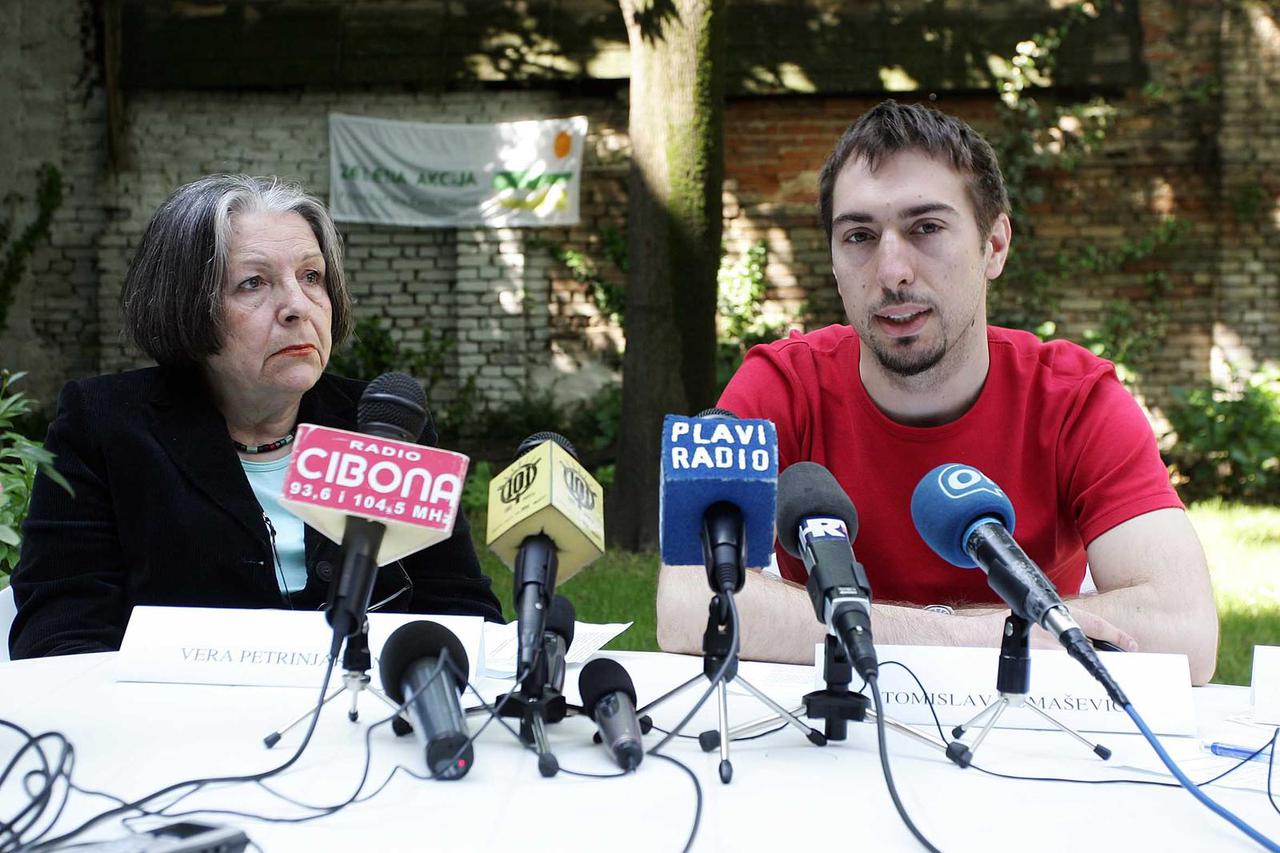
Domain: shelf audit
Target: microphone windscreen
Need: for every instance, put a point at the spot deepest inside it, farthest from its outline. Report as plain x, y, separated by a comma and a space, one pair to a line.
393, 406
547, 491
412, 642
709, 460
539, 437
808, 490
946, 504
561, 618
600, 677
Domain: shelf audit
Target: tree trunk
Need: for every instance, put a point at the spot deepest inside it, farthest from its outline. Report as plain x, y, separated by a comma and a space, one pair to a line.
673, 231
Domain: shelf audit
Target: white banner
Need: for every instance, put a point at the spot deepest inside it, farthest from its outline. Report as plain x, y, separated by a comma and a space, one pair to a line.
521, 173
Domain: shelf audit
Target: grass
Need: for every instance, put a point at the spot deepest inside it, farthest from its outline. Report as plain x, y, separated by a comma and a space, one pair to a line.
619, 587
1243, 547
1242, 544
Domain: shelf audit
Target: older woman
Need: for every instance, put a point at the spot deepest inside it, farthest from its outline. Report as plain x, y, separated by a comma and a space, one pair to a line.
237, 291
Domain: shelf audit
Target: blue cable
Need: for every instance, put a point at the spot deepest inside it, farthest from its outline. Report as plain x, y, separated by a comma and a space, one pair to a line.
1221, 811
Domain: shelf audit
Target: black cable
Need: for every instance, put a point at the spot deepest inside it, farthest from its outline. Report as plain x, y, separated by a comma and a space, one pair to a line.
697, 790
200, 783
873, 682
772, 731
40, 785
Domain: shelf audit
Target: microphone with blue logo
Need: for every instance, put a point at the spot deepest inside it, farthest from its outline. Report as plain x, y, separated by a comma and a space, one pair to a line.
968, 521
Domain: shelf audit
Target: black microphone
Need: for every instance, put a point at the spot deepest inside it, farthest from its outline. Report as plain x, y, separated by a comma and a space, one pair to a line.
392, 406
609, 698
556, 640
724, 533
427, 659
817, 523
537, 561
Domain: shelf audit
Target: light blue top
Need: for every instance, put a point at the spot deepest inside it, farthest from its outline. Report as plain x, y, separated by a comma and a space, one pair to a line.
267, 480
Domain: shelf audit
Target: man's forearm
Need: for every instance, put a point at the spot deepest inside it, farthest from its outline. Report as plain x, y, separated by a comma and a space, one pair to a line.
1155, 585
909, 625
778, 622
776, 617
1141, 612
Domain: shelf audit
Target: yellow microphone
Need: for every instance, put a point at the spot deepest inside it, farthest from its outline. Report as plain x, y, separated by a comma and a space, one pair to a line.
546, 516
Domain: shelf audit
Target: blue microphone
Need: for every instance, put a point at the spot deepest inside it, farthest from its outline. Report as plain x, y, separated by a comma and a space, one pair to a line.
968, 521
718, 494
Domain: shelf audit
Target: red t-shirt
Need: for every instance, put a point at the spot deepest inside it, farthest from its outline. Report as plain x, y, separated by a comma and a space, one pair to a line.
1052, 426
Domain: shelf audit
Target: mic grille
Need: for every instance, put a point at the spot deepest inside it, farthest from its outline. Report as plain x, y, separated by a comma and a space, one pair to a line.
393, 406
600, 677
717, 412
561, 618
412, 642
539, 437
807, 489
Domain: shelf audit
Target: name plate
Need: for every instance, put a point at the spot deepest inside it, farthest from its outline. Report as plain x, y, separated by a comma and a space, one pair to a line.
961, 682
1266, 685
262, 648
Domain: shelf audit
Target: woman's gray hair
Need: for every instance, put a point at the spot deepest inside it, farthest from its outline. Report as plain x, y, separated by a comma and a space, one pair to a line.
173, 291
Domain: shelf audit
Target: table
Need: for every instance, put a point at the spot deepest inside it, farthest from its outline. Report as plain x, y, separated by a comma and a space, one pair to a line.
786, 794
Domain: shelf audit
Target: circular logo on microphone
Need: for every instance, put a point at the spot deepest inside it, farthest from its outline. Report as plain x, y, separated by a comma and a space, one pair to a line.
959, 481
519, 482
579, 490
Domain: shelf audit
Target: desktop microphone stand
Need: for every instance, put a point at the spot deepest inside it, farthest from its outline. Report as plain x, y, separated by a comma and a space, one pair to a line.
837, 705
356, 662
537, 703
1013, 679
716, 647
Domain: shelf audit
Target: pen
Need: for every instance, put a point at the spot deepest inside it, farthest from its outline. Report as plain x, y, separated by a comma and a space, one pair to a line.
1239, 753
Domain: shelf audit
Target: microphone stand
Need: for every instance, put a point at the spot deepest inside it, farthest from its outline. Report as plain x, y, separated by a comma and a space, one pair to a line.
537, 703
717, 644
837, 705
356, 663
1013, 679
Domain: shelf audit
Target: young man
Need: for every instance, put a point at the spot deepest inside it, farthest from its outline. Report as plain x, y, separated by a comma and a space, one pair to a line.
916, 213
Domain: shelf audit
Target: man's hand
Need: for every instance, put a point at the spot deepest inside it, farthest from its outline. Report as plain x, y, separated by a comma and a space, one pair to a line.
1094, 627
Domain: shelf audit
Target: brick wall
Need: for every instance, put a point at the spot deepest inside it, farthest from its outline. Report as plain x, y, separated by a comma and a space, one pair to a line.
54, 112
1200, 142
492, 290
1246, 328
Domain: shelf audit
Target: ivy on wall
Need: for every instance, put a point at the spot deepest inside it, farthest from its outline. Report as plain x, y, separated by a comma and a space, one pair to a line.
15, 252
1035, 141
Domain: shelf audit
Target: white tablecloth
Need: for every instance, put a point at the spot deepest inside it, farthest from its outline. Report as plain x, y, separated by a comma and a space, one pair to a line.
786, 794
